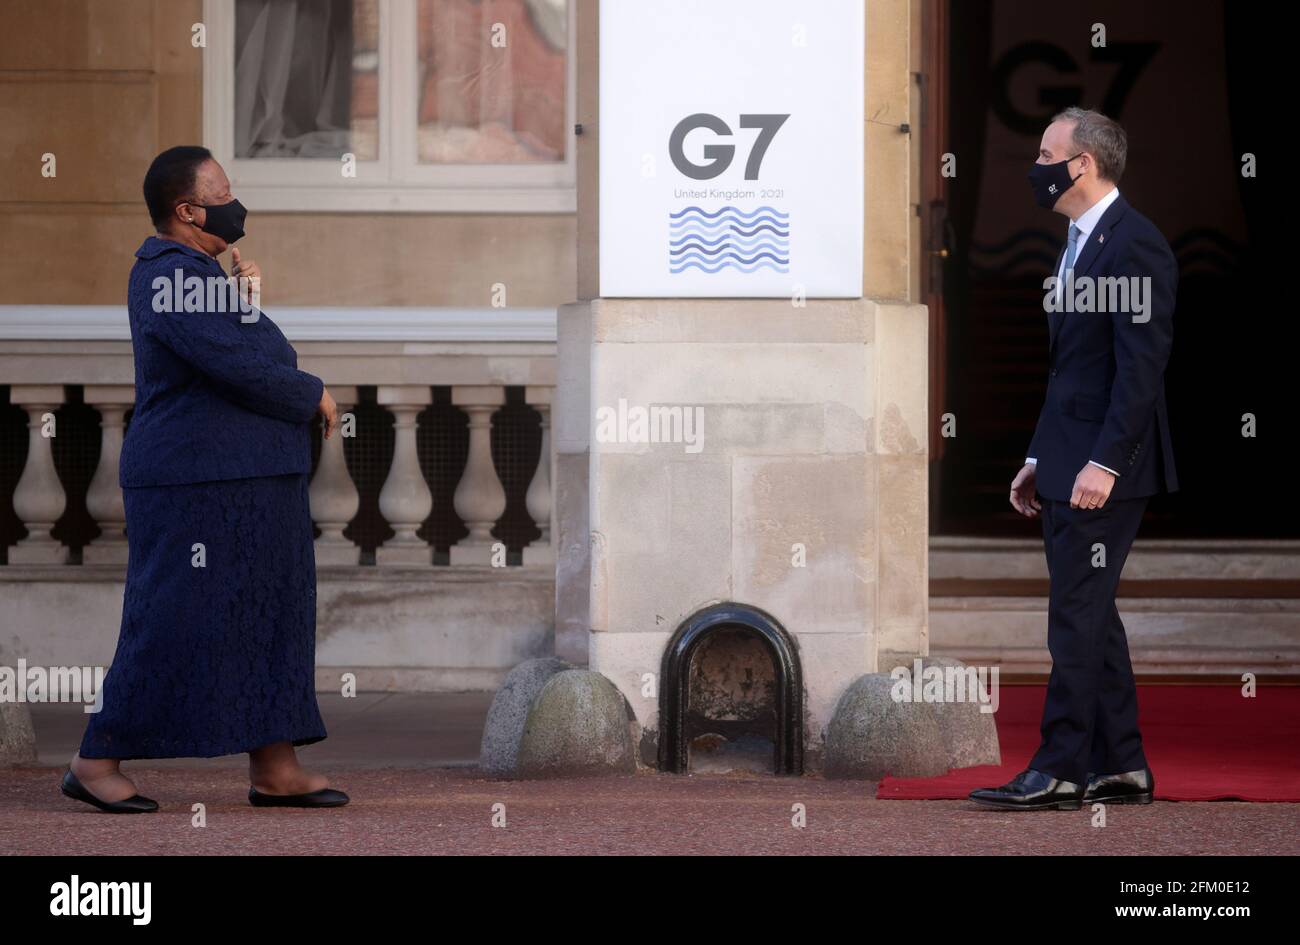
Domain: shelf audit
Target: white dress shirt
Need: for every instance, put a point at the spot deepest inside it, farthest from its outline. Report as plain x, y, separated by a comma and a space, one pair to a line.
1086, 223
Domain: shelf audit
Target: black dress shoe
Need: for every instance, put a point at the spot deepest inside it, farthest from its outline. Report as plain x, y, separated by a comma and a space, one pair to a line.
325, 797
1128, 787
1032, 790
135, 804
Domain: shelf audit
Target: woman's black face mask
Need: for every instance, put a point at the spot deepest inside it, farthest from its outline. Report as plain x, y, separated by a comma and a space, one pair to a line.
223, 220
1049, 181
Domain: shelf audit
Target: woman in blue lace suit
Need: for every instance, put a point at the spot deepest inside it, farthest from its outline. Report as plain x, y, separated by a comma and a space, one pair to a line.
216, 651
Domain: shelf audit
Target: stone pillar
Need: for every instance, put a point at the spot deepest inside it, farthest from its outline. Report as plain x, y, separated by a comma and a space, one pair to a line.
900, 446
806, 498
480, 499
807, 495
334, 498
104, 497
405, 499
39, 498
538, 498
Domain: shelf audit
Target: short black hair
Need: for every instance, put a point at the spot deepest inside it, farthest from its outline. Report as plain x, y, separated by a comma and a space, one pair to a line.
170, 178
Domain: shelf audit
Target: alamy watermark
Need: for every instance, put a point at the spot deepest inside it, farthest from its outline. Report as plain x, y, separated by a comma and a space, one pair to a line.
181, 293
26, 683
88, 898
1127, 294
946, 684
658, 423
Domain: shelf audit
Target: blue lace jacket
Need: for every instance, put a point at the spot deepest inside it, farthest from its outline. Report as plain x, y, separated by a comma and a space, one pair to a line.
216, 397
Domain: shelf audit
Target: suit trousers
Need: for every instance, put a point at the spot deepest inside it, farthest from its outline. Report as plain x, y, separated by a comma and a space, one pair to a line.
1090, 717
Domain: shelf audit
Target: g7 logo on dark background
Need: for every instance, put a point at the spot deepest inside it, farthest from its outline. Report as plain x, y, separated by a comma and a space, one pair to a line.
1132, 58
721, 155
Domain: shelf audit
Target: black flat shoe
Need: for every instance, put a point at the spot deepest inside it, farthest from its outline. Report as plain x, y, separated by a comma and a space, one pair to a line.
1127, 787
1032, 790
325, 797
135, 804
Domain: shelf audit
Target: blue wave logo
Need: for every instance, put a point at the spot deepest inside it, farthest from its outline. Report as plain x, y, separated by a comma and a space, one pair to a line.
728, 238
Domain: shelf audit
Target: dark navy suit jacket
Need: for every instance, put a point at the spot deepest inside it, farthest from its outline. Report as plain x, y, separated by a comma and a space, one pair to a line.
215, 397
1106, 377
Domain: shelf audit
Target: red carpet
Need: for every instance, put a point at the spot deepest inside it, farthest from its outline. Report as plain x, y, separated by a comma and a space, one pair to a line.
1204, 743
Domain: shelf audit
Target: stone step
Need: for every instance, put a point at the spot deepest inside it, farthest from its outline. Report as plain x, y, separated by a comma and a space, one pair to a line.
1190, 635
1157, 588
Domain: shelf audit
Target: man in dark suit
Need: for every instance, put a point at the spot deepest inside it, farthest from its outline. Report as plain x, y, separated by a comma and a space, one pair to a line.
1100, 450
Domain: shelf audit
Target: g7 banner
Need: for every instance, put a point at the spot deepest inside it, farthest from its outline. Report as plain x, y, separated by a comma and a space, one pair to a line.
731, 148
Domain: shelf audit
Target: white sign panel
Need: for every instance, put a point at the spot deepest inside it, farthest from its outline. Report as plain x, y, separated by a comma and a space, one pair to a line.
731, 137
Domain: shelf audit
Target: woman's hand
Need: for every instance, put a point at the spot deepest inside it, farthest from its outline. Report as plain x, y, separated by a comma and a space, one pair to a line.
329, 411
247, 270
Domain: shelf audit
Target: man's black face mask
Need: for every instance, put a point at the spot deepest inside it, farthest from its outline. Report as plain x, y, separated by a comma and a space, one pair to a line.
223, 220
1049, 181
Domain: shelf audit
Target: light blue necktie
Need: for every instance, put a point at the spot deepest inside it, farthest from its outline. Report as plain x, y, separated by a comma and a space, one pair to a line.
1072, 249
1070, 252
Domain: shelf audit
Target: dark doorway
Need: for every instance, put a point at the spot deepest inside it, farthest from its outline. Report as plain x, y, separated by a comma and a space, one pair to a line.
731, 695
1186, 81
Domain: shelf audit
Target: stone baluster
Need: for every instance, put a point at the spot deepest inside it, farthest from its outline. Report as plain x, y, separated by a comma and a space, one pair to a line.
104, 497
333, 495
39, 498
405, 499
538, 498
479, 499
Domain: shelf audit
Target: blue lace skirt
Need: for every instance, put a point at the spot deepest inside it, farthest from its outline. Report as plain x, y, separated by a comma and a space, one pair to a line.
217, 649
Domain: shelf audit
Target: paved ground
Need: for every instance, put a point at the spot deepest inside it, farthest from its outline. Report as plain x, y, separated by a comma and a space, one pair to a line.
374, 729
391, 754
431, 811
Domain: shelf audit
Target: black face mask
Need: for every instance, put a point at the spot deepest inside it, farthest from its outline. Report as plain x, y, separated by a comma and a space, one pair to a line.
1049, 181
223, 220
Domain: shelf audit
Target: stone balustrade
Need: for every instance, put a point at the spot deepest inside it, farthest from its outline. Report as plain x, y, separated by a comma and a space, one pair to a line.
404, 354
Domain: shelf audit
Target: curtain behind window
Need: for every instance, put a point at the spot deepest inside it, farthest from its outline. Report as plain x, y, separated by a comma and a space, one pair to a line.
293, 78
482, 102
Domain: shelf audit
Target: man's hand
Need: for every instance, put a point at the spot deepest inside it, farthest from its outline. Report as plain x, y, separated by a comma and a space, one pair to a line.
249, 276
1023, 498
1091, 487
329, 411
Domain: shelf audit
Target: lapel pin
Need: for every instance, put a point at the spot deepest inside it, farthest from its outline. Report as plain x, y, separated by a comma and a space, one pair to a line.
1101, 238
